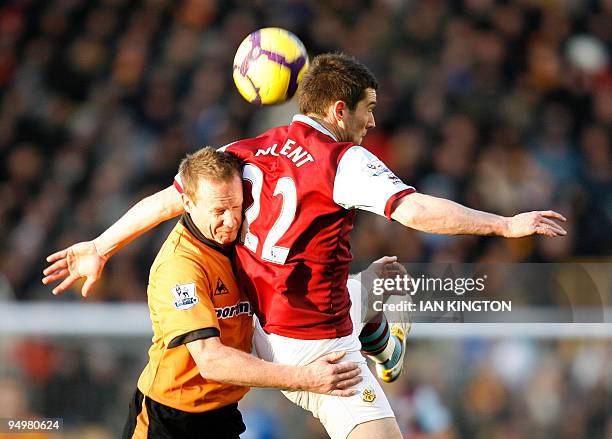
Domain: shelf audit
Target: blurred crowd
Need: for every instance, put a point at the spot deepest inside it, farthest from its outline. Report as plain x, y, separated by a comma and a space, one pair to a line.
473, 388
505, 106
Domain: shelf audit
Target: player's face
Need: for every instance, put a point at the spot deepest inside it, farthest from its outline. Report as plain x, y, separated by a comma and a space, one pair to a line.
217, 211
359, 121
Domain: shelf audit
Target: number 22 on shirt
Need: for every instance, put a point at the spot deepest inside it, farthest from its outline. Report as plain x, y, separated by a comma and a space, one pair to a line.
284, 187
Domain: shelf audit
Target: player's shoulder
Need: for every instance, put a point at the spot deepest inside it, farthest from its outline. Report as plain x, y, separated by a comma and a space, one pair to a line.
337, 152
280, 130
179, 255
248, 145
175, 260
358, 157
357, 152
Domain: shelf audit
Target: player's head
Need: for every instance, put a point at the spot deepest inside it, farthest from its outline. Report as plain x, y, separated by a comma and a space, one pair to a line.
212, 193
342, 91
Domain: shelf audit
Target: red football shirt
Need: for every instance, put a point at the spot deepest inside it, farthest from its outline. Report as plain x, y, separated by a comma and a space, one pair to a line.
294, 253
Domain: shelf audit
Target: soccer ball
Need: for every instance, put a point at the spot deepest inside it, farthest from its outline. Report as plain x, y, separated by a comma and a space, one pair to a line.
269, 65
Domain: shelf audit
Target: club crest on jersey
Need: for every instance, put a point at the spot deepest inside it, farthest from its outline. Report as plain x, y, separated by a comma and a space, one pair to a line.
368, 395
184, 296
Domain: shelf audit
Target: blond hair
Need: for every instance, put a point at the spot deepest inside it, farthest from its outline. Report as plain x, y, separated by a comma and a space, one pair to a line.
207, 163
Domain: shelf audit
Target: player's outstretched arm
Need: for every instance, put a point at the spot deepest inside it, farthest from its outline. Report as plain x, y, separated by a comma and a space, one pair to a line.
143, 216
87, 259
228, 365
438, 215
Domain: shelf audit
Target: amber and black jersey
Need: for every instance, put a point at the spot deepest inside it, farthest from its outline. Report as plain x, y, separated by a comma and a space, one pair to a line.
192, 294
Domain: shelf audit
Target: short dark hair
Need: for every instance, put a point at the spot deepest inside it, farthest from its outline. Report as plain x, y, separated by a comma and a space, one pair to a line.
333, 77
207, 163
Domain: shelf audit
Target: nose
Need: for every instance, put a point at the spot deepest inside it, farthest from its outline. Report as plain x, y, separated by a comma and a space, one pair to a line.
371, 121
229, 220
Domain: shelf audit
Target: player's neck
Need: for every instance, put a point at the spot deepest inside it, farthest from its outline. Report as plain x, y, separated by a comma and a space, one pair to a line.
329, 126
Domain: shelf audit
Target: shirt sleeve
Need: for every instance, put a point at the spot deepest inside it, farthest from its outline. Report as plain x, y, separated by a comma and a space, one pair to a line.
180, 300
364, 182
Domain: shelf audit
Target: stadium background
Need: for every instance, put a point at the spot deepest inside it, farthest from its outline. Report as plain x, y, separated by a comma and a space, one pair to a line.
498, 105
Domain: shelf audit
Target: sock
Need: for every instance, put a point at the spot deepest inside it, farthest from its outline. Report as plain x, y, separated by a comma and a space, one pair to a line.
377, 342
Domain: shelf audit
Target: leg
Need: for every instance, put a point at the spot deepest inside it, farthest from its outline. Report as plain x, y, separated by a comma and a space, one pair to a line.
376, 341
340, 416
385, 428
368, 412
383, 343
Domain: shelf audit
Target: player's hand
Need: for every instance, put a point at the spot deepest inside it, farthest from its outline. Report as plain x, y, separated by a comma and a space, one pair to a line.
386, 267
325, 375
73, 263
535, 223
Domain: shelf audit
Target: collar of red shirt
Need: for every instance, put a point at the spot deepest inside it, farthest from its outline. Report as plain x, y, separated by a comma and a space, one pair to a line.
313, 123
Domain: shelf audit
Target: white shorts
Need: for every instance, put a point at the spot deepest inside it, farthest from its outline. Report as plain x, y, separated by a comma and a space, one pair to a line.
339, 415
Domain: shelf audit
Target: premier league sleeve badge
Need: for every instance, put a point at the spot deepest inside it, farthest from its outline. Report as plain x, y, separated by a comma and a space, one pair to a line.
184, 296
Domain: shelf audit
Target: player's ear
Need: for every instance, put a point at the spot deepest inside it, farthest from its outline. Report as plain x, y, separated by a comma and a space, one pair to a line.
187, 203
338, 109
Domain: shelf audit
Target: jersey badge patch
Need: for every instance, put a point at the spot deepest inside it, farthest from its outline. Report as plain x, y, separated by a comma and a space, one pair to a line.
376, 168
184, 296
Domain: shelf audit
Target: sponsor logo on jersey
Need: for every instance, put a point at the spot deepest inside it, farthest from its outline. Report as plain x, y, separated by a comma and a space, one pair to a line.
221, 288
368, 394
228, 312
184, 296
